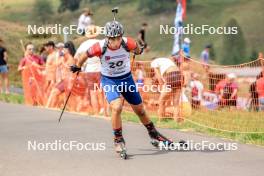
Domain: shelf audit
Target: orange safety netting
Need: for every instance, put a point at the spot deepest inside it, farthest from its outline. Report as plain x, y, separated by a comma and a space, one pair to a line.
219, 93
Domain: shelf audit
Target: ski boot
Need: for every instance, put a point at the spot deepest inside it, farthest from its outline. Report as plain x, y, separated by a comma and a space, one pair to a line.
156, 138
120, 147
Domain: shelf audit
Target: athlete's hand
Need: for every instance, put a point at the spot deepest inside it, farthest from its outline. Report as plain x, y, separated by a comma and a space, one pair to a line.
141, 49
75, 68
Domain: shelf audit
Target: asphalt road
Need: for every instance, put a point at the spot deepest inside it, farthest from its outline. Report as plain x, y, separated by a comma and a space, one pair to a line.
21, 125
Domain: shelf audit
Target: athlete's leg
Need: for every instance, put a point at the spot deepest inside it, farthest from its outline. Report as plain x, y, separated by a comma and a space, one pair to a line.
141, 113
116, 107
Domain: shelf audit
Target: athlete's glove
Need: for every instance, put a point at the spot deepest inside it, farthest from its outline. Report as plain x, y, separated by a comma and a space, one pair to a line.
75, 68
141, 49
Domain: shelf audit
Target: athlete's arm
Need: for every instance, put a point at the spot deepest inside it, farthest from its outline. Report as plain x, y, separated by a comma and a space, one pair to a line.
94, 50
139, 49
133, 46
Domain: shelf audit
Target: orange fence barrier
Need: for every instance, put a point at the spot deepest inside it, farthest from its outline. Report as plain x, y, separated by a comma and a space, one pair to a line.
206, 88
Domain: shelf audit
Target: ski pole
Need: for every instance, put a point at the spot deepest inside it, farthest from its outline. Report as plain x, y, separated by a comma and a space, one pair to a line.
68, 97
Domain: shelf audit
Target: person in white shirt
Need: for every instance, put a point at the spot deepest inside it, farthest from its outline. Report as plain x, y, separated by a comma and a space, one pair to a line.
196, 91
171, 80
92, 69
84, 21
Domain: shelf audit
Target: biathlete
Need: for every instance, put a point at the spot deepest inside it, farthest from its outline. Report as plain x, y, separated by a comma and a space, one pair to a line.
114, 53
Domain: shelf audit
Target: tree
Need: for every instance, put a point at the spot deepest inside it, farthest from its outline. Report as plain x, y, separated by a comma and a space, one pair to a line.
71, 5
157, 6
234, 45
42, 10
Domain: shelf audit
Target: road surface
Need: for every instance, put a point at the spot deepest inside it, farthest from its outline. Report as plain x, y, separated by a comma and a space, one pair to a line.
21, 125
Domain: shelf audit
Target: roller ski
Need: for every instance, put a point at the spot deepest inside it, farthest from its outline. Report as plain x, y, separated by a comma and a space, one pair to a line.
157, 139
120, 147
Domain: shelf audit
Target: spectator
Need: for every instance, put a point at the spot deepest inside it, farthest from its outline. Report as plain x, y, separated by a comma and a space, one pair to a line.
185, 68
43, 53
142, 37
260, 56
31, 67
60, 51
140, 74
3, 68
253, 96
50, 66
92, 70
186, 47
30, 58
171, 80
85, 20
260, 91
205, 57
64, 61
261, 59
196, 91
228, 92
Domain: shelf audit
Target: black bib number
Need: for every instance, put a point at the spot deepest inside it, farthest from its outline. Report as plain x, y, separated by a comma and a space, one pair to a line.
115, 64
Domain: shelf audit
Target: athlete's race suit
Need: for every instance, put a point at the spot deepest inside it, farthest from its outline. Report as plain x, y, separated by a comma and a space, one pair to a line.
115, 69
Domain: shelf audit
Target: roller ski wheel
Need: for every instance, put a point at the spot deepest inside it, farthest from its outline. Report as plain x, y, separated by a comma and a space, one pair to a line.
120, 148
123, 154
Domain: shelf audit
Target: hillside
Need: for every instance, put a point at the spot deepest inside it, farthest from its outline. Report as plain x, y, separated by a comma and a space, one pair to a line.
249, 15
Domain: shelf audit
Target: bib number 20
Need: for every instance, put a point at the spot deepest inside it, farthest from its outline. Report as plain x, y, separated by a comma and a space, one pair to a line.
115, 64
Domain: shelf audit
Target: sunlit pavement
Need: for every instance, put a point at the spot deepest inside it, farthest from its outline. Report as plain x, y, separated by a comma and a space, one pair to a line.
20, 124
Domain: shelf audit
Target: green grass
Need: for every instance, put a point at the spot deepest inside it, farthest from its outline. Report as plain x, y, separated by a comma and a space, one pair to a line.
12, 98
237, 122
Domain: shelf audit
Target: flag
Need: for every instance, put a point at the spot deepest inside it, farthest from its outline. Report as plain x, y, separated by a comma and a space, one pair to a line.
180, 14
184, 9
